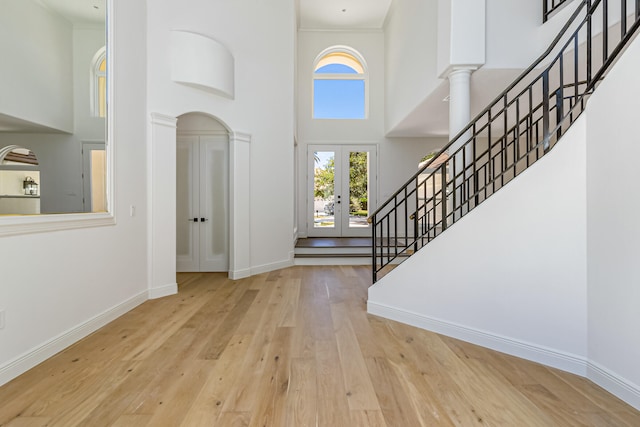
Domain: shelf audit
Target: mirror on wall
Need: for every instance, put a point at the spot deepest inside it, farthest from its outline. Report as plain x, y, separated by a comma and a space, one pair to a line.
53, 108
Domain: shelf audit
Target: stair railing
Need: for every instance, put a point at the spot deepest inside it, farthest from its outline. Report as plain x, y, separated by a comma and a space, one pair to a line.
549, 7
521, 125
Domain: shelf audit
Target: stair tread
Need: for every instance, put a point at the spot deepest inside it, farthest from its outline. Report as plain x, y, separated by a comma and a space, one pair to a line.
333, 255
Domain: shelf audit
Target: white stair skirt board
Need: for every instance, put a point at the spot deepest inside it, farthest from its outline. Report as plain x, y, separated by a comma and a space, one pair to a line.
41, 353
610, 381
546, 356
614, 384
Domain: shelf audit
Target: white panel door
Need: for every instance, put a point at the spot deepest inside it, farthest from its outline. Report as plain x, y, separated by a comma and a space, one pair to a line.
202, 209
214, 205
342, 189
188, 204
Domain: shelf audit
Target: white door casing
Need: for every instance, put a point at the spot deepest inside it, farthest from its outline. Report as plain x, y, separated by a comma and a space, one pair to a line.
202, 208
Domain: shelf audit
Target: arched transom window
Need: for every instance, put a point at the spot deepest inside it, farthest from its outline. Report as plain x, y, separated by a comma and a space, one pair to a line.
99, 84
340, 85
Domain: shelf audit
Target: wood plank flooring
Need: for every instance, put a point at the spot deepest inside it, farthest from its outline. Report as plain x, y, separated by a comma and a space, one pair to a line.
293, 347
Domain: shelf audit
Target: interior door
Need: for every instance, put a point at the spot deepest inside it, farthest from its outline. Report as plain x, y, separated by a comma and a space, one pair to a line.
94, 185
341, 189
202, 238
214, 204
188, 203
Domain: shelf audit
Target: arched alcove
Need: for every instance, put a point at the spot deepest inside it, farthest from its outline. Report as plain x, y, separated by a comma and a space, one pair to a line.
16, 155
202, 194
162, 193
19, 181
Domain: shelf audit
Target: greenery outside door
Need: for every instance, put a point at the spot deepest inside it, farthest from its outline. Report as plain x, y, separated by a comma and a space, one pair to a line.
342, 192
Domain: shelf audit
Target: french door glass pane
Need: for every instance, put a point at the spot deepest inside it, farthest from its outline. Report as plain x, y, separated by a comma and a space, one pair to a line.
358, 188
324, 189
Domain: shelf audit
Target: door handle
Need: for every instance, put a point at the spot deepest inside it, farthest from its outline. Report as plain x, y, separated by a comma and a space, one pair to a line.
193, 220
204, 219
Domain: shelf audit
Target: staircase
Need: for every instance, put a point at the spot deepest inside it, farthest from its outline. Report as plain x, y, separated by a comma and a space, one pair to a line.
511, 134
333, 251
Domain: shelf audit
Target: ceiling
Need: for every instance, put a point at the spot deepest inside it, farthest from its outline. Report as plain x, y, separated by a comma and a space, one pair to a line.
342, 14
12, 124
86, 12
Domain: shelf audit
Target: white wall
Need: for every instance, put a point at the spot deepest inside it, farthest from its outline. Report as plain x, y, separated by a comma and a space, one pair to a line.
516, 35
86, 43
37, 87
461, 34
496, 278
263, 51
418, 37
397, 158
613, 228
546, 269
73, 281
411, 33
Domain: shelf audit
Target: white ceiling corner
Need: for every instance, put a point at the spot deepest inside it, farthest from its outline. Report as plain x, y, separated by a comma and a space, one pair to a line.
85, 12
343, 14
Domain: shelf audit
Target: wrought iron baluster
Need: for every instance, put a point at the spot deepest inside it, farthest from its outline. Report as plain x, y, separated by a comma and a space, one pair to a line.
605, 30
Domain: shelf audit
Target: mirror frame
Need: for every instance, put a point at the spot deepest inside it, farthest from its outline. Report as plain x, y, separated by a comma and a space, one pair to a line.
16, 225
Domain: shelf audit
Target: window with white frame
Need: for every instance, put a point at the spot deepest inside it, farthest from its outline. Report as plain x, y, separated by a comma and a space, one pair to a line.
340, 81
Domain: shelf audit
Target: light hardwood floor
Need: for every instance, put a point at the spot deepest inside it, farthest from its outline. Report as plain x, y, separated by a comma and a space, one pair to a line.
293, 347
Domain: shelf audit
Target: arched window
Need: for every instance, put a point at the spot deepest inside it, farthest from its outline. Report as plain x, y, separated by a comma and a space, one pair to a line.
340, 83
98, 90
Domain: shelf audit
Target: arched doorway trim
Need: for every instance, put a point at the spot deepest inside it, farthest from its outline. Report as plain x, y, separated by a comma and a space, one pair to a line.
162, 203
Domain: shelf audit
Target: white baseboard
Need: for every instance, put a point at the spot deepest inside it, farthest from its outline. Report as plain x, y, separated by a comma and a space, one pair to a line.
37, 355
265, 268
546, 356
239, 274
614, 384
163, 291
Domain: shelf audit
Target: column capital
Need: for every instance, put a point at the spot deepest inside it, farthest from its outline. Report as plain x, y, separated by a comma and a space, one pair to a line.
457, 70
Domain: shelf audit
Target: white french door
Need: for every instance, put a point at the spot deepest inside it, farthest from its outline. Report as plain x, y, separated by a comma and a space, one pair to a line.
342, 189
202, 208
